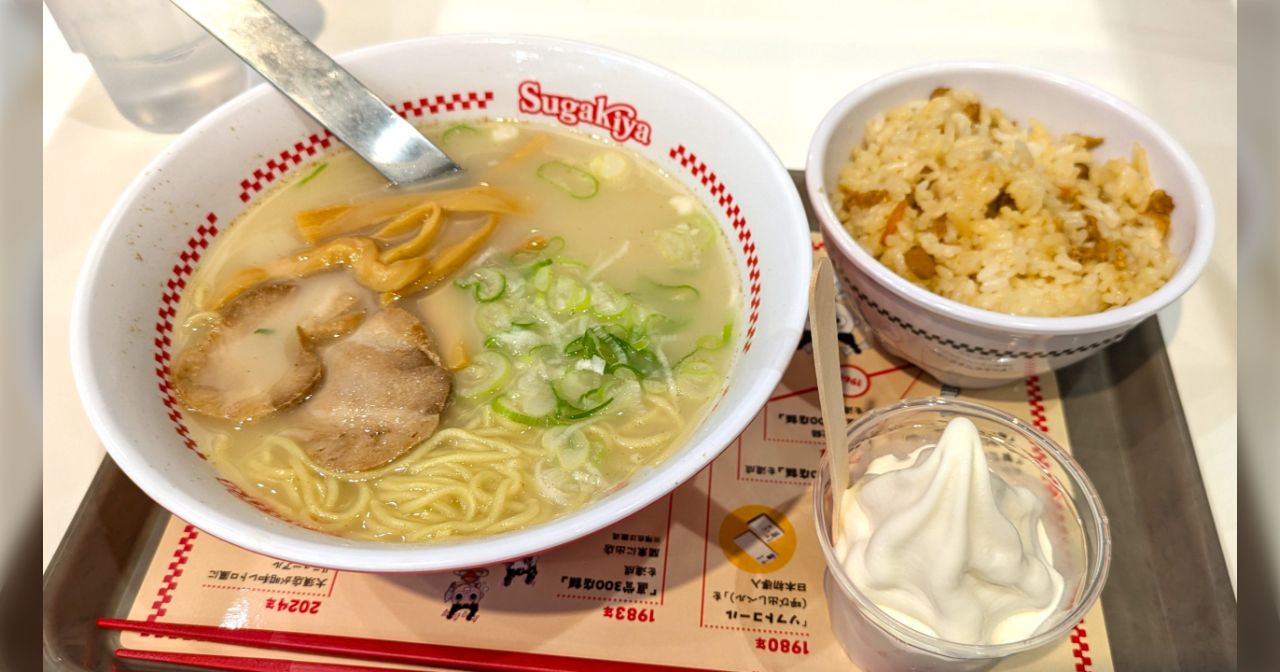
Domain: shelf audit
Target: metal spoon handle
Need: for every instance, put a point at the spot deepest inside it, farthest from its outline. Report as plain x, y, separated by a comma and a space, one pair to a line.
322, 88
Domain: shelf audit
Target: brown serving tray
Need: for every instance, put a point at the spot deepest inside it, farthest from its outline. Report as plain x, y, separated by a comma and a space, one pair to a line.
1169, 602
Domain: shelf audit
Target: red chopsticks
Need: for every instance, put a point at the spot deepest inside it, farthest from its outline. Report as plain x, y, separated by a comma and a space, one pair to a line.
239, 664
415, 653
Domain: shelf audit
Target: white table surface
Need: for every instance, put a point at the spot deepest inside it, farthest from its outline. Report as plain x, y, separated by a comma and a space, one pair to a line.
779, 64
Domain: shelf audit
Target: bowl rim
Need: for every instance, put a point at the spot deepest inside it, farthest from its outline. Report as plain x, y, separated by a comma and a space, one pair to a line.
344, 554
1183, 278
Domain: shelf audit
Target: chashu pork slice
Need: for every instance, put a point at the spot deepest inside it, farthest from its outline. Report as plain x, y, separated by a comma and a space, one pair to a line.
240, 370
383, 392
257, 355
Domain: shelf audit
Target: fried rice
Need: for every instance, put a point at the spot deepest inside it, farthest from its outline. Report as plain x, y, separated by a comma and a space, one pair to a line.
960, 199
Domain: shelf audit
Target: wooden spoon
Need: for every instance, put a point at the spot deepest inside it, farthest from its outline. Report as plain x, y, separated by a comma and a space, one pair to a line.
826, 361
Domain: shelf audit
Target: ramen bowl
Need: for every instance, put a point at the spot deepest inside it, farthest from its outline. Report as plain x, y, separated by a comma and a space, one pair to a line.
164, 224
971, 347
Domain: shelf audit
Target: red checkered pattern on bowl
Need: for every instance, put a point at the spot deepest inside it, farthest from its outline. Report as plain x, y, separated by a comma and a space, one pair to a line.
724, 198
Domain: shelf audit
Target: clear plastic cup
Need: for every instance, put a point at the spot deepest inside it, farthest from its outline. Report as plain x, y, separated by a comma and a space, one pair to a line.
161, 69
1022, 456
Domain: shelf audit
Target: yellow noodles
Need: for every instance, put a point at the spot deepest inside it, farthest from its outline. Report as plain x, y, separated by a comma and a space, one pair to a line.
463, 481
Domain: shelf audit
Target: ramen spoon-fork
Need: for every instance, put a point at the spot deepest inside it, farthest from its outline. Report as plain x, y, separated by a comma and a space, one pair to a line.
323, 89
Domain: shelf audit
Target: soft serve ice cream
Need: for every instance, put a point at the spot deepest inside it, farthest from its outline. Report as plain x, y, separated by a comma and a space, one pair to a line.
945, 546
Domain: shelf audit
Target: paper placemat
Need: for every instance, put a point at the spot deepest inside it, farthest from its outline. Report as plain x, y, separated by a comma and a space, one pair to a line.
725, 573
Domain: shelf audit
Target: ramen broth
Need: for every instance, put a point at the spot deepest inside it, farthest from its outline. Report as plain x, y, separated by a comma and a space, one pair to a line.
633, 290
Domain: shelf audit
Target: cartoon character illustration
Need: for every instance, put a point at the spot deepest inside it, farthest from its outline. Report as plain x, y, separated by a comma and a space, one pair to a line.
526, 567
465, 593
845, 323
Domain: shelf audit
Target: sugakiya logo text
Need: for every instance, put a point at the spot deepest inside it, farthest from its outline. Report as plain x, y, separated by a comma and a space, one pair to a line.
619, 119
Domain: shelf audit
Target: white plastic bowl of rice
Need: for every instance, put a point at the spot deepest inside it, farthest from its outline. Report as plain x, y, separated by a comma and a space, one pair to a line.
992, 221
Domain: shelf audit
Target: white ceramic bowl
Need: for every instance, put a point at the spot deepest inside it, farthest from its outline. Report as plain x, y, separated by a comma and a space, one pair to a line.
163, 223
970, 347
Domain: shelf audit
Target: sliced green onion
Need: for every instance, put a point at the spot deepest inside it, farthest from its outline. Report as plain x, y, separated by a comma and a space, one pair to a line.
709, 343
554, 246
567, 295
658, 323
484, 376
570, 446
488, 284
576, 415
702, 229
608, 303
572, 180
574, 385
676, 293
503, 408
616, 352
582, 347
492, 318
533, 395
678, 247
570, 265
560, 348
574, 451
458, 131
642, 361
491, 284
542, 276
516, 341
613, 350
513, 410
697, 379
610, 166
264, 331
546, 352
716, 342
314, 173
625, 391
